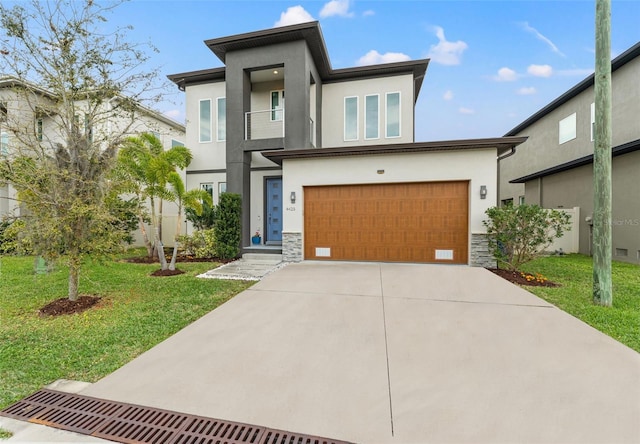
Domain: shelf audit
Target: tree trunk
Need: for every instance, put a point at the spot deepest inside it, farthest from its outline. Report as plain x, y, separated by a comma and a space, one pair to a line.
145, 237
74, 278
172, 265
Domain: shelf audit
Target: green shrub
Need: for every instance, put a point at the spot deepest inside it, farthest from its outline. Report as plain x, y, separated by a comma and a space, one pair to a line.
228, 228
201, 244
205, 220
519, 234
11, 238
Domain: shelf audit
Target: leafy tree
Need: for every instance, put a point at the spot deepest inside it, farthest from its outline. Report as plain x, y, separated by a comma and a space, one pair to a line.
519, 234
228, 228
73, 76
206, 220
148, 167
192, 199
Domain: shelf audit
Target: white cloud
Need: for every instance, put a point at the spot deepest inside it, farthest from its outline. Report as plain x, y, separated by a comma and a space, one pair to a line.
506, 75
463, 110
293, 16
448, 95
526, 91
373, 57
173, 113
540, 70
368, 13
539, 36
445, 52
336, 7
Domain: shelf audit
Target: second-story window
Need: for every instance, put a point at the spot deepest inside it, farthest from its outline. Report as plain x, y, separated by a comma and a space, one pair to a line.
350, 118
39, 129
372, 116
392, 127
222, 119
205, 121
277, 105
567, 129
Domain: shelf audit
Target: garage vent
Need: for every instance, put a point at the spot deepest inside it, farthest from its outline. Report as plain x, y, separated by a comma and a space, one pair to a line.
444, 255
130, 423
323, 252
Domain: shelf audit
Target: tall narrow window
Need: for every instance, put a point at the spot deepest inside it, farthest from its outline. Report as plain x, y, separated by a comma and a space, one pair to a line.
372, 116
205, 120
277, 105
567, 129
39, 129
350, 118
208, 187
222, 119
4, 144
392, 115
175, 143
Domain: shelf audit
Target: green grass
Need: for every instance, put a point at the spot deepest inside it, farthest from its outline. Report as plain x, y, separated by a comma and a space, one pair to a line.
137, 312
5, 434
574, 273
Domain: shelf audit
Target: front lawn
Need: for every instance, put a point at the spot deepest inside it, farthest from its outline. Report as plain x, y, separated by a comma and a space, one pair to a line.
137, 312
574, 273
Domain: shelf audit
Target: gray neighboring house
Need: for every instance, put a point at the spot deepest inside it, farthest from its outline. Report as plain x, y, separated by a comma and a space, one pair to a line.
554, 167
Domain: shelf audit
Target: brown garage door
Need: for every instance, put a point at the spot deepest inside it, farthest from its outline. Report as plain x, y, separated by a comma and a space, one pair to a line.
406, 222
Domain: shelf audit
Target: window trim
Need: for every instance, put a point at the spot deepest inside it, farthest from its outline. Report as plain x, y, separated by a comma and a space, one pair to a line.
386, 115
366, 116
200, 138
218, 126
274, 111
357, 120
593, 121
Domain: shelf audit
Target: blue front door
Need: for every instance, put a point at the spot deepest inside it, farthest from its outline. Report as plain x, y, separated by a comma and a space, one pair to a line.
273, 231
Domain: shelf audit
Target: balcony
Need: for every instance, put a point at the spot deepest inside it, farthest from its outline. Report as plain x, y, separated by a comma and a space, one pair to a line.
266, 124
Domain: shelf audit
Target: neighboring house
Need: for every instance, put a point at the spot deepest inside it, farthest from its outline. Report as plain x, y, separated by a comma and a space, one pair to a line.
335, 173
22, 111
554, 167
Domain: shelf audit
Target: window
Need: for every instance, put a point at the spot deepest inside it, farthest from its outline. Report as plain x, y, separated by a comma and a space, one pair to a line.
372, 116
222, 187
208, 187
175, 143
521, 200
277, 105
393, 115
506, 202
39, 129
205, 120
593, 121
222, 119
567, 129
4, 144
350, 118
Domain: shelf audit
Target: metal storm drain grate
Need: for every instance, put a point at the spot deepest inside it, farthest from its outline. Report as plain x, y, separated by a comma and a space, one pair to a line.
128, 423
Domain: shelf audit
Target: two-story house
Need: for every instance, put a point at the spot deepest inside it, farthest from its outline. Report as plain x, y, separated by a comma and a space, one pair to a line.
325, 159
554, 167
21, 111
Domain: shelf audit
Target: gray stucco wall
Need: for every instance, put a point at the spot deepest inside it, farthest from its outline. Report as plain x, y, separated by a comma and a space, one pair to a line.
575, 188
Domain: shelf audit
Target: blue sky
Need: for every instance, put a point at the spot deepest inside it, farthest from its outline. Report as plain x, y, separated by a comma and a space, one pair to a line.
493, 63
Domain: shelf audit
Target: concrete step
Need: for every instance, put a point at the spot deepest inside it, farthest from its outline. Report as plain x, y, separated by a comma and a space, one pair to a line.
270, 258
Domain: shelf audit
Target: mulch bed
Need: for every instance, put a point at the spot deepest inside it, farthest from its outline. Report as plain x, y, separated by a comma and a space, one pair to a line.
167, 272
517, 278
64, 306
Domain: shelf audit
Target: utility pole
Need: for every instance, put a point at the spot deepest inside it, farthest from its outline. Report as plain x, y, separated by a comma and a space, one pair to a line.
602, 290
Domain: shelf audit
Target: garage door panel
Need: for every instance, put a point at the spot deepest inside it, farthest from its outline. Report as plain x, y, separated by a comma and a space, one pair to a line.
387, 222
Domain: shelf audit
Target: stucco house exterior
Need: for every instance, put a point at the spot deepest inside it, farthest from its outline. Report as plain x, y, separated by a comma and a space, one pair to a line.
19, 108
335, 174
554, 167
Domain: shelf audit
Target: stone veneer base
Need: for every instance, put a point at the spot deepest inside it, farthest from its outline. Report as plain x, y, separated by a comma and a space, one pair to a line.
291, 247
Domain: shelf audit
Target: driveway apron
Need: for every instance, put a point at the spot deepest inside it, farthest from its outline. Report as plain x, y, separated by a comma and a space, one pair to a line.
393, 353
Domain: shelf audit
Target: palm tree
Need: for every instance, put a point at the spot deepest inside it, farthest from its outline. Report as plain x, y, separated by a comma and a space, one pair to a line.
192, 199
149, 167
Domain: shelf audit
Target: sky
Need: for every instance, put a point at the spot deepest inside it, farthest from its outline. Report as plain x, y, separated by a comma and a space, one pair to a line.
492, 63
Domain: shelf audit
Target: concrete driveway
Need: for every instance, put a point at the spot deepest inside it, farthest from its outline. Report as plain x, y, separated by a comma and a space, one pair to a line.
393, 353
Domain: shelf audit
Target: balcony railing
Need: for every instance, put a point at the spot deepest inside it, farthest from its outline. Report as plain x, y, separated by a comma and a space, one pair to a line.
266, 124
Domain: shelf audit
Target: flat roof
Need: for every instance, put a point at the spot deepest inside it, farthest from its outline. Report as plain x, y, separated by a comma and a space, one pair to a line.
502, 144
312, 34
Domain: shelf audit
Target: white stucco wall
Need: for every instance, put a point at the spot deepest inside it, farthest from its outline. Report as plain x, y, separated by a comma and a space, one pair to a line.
333, 95
477, 166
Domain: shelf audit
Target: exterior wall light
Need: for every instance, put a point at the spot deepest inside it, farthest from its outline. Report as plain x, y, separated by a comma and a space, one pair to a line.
292, 197
483, 191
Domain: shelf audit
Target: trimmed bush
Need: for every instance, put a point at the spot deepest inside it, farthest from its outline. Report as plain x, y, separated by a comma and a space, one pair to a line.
228, 230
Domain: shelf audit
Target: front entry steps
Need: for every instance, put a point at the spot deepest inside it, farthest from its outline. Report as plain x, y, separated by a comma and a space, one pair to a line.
252, 267
130, 423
